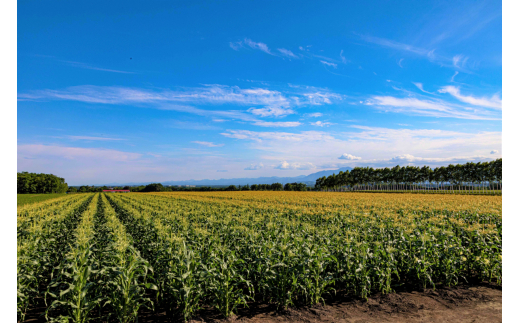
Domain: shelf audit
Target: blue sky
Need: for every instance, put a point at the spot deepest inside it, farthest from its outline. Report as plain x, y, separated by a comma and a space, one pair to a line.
156, 91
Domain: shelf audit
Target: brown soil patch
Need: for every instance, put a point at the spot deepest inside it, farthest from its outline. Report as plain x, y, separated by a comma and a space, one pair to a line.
458, 304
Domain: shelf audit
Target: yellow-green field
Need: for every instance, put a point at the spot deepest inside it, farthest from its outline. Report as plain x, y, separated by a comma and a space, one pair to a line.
119, 253
23, 199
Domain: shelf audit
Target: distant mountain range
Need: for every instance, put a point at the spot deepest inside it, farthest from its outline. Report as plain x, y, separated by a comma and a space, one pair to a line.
307, 179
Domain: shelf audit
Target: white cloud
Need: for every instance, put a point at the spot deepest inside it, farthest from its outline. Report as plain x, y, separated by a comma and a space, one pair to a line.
321, 124
431, 108
395, 45
277, 124
459, 61
378, 145
494, 102
36, 151
304, 136
191, 125
208, 94
343, 59
287, 53
254, 166
95, 68
453, 77
349, 157
314, 115
271, 111
404, 158
319, 98
260, 46
329, 64
420, 87
409, 159
93, 138
207, 144
235, 45
295, 166
272, 103
401, 63
494, 152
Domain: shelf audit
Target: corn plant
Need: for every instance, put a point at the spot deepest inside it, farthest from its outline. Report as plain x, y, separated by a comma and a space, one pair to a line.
224, 283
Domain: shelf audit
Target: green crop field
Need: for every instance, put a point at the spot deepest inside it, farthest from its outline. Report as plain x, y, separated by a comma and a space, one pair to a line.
108, 257
23, 199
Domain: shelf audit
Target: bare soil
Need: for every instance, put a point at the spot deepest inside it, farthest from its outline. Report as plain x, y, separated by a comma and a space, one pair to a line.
457, 304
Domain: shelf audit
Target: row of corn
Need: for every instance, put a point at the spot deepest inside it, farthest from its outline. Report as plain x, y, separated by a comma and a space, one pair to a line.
97, 273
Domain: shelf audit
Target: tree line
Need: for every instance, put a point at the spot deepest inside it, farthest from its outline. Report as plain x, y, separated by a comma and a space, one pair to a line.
158, 187
463, 177
33, 183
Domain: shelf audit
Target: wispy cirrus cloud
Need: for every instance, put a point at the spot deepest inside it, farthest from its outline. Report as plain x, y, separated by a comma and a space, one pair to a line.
453, 77
247, 43
284, 124
214, 94
343, 58
207, 144
457, 61
209, 94
321, 124
75, 153
271, 111
420, 87
265, 102
329, 64
429, 107
95, 68
282, 52
305, 136
494, 102
288, 53
397, 45
90, 138
260, 46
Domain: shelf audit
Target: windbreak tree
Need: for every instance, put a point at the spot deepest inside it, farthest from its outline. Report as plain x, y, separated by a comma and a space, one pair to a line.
154, 187
32, 183
479, 176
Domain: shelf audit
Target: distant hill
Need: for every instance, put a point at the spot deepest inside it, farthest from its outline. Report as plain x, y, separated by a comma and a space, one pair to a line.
307, 179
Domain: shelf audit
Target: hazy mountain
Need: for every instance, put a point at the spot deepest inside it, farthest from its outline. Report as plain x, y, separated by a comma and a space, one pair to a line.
307, 179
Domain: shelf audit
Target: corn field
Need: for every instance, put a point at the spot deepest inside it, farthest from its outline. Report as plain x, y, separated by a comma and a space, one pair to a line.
109, 257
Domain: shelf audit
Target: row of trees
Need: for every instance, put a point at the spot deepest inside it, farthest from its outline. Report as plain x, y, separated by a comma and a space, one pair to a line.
158, 187
470, 176
33, 183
